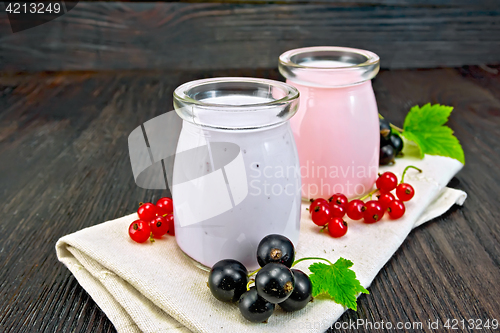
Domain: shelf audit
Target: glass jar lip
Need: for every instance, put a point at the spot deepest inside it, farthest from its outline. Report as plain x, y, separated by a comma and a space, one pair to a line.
181, 92
264, 102
364, 65
286, 58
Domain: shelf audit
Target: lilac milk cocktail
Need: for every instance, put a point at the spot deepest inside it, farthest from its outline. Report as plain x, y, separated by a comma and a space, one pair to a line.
240, 179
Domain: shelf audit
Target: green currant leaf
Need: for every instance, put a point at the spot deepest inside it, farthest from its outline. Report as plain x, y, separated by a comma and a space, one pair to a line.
438, 141
336, 281
419, 118
425, 126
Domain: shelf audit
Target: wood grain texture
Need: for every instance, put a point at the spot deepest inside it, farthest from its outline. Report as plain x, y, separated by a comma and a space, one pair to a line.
64, 166
246, 34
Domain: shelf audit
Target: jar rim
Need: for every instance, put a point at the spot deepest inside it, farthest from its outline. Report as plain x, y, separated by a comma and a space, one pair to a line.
286, 58
245, 103
181, 92
360, 65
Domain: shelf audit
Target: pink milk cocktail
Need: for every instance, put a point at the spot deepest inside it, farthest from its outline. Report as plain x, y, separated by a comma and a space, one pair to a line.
336, 128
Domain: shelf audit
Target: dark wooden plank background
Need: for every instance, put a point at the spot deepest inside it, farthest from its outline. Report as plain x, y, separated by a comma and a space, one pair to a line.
252, 34
63, 136
64, 166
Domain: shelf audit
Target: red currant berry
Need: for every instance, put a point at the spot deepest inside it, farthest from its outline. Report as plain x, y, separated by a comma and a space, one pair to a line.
336, 210
159, 226
373, 212
396, 209
339, 199
147, 211
355, 209
317, 202
387, 182
139, 231
169, 219
385, 199
405, 192
320, 215
337, 227
165, 206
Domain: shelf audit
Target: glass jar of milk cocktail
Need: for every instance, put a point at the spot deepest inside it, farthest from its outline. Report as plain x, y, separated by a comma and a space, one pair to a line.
336, 127
236, 173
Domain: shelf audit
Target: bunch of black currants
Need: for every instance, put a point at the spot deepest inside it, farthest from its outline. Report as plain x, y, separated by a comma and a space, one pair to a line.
391, 144
275, 282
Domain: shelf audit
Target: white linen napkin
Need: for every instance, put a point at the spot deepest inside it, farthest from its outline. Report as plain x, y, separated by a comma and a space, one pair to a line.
155, 288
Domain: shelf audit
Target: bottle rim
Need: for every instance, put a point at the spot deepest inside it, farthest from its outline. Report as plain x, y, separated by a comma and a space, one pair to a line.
183, 92
359, 66
280, 102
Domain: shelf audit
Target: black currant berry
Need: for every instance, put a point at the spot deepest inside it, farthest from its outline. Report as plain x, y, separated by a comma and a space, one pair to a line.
277, 249
385, 128
386, 155
301, 295
384, 141
275, 282
228, 280
255, 308
396, 142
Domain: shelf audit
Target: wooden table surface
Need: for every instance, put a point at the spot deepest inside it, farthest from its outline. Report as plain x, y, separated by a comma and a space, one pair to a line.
64, 166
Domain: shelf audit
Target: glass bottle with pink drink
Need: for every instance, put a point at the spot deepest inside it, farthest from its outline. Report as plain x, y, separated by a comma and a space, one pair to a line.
336, 128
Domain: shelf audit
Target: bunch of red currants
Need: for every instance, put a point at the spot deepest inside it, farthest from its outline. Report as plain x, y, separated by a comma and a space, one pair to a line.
154, 221
329, 213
